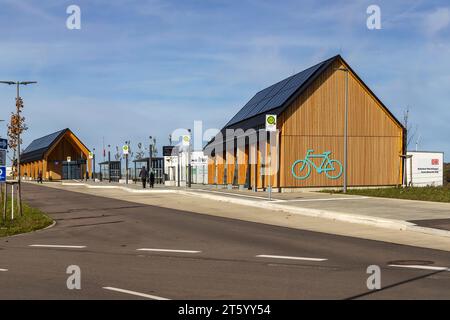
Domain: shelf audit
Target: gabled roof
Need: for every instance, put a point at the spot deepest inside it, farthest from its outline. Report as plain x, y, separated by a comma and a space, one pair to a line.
38, 147
276, 98
276, 95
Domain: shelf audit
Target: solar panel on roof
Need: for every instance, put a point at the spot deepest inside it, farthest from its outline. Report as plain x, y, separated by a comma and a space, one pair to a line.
276, 95
279, 99
43, 142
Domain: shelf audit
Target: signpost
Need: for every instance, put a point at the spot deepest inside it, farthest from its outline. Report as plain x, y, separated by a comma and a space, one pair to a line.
271, 126
3, 147
271, 122
125, 151
186, 140
2, 174
68, 167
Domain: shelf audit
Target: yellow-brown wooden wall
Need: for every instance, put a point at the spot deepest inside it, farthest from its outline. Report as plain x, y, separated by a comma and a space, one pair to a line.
315, 120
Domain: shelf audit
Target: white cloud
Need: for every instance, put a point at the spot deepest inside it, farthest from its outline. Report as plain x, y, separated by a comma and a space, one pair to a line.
437, 20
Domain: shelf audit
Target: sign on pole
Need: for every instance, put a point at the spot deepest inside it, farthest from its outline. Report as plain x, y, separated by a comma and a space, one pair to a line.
271, 122
125, 149
2, 174
2, 157
186, 140
3, 144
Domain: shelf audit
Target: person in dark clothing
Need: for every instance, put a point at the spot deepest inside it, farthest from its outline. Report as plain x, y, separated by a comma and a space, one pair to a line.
152, 179
39, 177
143, 175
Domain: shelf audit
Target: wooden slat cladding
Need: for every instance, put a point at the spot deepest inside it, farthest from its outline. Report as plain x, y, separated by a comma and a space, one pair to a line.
315, 120
211, 170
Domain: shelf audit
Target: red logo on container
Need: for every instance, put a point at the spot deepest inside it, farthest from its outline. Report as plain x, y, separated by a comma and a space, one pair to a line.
435, 162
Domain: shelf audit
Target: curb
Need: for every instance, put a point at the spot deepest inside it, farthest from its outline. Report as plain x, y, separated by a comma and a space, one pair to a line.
392, 224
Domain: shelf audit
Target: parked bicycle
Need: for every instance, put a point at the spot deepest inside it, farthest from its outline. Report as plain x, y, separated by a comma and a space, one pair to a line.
301, 169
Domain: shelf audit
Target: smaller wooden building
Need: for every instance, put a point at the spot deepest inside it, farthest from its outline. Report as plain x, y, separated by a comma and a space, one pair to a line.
49, 155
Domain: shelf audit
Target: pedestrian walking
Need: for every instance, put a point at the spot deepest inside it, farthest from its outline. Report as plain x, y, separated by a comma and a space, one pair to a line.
40, 176
143, 175
152, 179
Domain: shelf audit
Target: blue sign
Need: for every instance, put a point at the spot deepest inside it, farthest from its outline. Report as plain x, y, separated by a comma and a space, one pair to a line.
3, 144
2, 174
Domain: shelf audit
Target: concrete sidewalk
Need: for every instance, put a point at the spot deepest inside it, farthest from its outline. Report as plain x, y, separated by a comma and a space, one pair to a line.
380, 212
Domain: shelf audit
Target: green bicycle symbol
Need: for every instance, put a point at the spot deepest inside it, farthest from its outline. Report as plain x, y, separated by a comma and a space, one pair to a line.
331, 167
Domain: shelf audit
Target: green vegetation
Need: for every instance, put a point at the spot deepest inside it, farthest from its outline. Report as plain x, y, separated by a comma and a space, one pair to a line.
447, 173
437, 194
32, 219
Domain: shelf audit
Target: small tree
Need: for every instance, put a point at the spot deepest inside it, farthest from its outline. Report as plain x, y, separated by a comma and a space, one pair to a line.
140, 152
16, 127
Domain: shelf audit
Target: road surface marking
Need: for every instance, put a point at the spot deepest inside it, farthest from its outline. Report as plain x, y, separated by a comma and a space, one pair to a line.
420, 267
291, 258
56, 246
321, 199
230, 194
168, 250
3, 270
149, 296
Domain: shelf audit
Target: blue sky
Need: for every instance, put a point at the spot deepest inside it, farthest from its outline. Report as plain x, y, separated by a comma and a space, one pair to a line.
138, 68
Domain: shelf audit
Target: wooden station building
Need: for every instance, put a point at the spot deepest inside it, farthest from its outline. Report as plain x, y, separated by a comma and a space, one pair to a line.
49, 155
310, 108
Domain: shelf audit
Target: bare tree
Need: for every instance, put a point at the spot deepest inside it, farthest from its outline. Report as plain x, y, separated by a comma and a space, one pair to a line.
140, 152
411, 131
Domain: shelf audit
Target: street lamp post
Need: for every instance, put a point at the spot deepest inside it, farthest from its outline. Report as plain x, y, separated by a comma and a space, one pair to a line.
109, 162
93, 164
344, 189
18, 84
189, 176
126, 162
150, 155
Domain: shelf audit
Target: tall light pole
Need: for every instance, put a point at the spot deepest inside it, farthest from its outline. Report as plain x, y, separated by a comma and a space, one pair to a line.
344, 189
127, 143
150, 155
18, 84
93, 160
109, 162
189, 177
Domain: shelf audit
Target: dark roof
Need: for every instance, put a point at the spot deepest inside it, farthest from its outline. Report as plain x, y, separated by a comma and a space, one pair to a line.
276, 95
276, 98
37, 148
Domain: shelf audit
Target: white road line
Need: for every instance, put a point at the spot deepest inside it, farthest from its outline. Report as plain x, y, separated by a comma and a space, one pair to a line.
420, 267
231, 194
291, 258
56, 246
134, 293
322, 199
3, 270
168, 250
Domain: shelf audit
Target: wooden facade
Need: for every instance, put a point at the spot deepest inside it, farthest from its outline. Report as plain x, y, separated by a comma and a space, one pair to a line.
315, 120
50, 159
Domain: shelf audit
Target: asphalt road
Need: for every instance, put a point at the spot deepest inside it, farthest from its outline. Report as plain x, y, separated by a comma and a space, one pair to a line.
220, 258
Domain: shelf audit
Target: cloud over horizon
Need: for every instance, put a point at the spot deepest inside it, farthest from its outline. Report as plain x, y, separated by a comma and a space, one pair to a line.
140, 68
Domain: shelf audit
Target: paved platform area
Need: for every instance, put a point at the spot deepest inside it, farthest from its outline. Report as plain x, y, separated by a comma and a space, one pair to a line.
261, 211
434, 214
